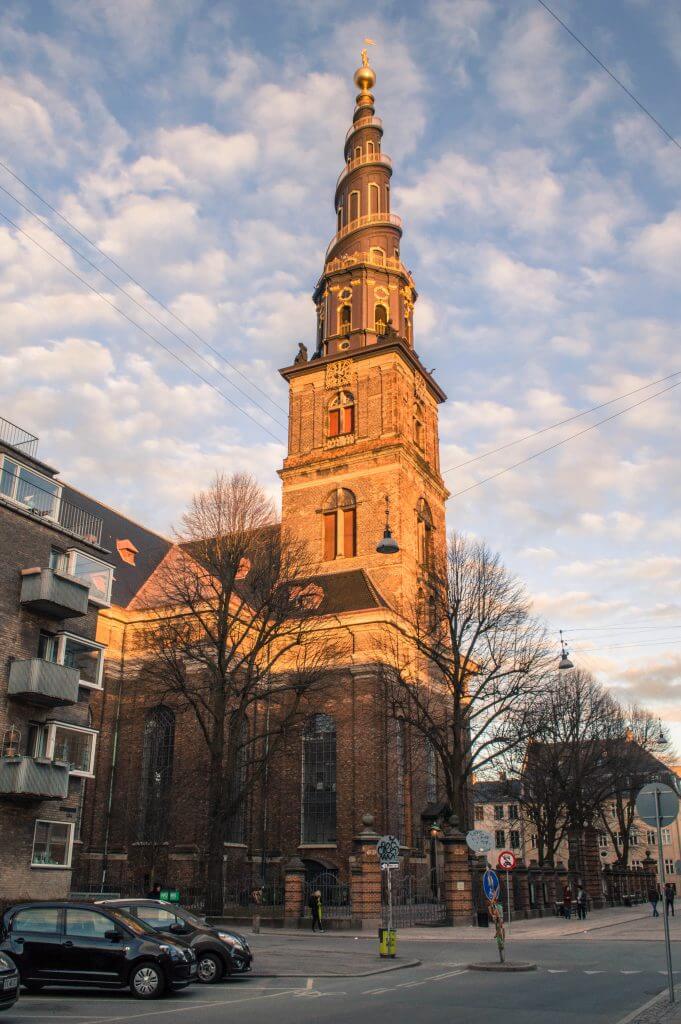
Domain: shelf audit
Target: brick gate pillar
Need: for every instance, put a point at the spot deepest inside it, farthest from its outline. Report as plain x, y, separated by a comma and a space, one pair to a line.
365, 875
294, 891
457, 875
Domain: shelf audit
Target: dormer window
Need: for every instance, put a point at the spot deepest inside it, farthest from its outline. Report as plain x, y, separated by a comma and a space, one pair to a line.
342, 414
127, 550
339, 517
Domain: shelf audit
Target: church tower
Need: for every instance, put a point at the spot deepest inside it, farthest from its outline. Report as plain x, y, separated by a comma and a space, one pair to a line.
363, 411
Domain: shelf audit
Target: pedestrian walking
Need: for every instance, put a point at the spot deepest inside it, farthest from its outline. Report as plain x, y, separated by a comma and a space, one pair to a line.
155, 892
669, 894
567, 902
582, 903
653, 896
315, 905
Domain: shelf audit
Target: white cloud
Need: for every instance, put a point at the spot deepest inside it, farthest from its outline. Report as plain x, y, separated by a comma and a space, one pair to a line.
206, 156
659, 245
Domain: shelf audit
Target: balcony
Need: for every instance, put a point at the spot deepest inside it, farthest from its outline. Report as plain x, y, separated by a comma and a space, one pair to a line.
49, 593
42, 497
364, 122
17, 437
33, 778
362, 222
43, 682
359, 161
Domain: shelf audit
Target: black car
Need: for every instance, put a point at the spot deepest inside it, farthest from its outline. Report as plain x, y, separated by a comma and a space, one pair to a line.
219, 951
9, 982
62, 943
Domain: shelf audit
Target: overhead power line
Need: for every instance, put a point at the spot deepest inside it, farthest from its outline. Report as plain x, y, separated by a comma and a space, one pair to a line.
557, 444
147, 312
560, 423
612, 75
130, 277
139, 327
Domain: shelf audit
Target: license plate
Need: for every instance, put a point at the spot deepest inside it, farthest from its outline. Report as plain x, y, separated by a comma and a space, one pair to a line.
192, 969
10, 983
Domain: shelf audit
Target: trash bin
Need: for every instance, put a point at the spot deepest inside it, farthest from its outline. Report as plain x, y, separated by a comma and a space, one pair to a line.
387, 942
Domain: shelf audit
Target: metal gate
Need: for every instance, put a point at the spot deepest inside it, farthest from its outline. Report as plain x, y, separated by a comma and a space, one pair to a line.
417, 896
336, 904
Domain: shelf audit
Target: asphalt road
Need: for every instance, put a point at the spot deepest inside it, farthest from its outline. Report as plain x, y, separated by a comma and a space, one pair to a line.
579, 979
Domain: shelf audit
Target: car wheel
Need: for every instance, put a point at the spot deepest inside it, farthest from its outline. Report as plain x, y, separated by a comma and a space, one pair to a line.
147, 981
33, 986
210, 968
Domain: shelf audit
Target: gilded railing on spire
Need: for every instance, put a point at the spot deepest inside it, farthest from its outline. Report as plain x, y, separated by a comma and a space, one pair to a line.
365, 158
362, 222
374, 259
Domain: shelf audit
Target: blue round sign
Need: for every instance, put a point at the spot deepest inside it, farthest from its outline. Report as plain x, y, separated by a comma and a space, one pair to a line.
490, 883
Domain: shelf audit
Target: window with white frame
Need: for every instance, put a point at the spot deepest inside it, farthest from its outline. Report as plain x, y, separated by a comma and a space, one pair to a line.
666, 836
603, 839
498, 812
52, 844
71, 744
500, 838
668, 866
636, 863
75, 652
651, 838
512, 812
95, 573
533, 841
37, 492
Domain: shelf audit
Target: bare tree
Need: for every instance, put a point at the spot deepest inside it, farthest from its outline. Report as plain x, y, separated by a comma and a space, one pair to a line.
540, 795
468, 664
235, 630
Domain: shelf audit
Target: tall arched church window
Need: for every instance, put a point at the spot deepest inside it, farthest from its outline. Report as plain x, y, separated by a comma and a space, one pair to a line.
374, 198
339, 517
318, 823
424, 533
419, 432
341, 414
380, 319
354, 206
157, 772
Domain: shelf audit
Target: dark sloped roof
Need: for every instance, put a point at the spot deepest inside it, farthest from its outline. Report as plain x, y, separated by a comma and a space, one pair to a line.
495, 791
151, 547
350, 591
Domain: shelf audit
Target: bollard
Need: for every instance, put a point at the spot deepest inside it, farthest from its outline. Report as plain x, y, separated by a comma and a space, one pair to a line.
256, 924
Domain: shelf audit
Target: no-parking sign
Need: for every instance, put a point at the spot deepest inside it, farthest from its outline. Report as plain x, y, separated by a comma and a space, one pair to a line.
507, 860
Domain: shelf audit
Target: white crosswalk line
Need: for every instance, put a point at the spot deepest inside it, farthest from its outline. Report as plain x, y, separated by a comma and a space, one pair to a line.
594, 972
556, 971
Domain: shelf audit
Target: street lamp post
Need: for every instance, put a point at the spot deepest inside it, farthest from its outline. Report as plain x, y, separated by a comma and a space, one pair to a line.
387, 545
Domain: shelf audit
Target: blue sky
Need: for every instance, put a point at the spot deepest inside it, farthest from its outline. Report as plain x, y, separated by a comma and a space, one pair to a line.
198, 145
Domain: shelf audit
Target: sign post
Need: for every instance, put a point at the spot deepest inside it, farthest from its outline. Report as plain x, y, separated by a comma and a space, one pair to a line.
388, 851
507, 862
658, 806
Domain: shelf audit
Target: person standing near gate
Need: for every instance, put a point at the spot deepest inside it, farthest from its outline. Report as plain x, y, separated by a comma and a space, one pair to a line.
669, 894
653, 896
582, 903
315, 905
567, 902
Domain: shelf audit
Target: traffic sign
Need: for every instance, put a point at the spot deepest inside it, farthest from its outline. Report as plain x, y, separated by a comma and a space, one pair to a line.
479, 841
388, 850
507, 860
657, 793
490, 883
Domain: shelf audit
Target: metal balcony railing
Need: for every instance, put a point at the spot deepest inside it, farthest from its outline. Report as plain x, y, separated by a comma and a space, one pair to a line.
50, 593
18, 438
373, 258
365, 158
51, 506
364, 122
362, 222
45, 683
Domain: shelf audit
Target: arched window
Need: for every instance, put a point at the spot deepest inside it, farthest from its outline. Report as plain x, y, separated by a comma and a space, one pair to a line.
340, 525
344, 319
374, 198
319, 781
358, 151
380, 319
370, 148
157, 773
424, 534
341, 414
377, 255
419, 433
354, 206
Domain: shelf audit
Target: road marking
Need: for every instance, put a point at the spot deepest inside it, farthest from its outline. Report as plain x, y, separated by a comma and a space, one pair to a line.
555, 971
310, 983
375, 992
183, 1009
594, 972
630, 972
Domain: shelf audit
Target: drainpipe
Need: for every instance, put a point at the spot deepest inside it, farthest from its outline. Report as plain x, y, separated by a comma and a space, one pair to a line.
114, 755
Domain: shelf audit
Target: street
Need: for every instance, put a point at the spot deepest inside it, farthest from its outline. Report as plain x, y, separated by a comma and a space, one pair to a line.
600, 972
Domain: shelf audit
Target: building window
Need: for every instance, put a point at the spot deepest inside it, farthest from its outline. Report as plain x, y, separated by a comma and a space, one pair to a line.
374, 198
370, 147
603, 840
95, 573
342, 414
651, 838
636, 863
340, 217
666, 836
533, 841
479, 812
340, 525
424, 534
52, 846
354, 206
512, 812
500, 838
319, 781
515, 839
157, 773
11, 742
634, 837
668, 866
38, 493
380, 319
498, 812
344, 319
71, 744
75, 652
419, 433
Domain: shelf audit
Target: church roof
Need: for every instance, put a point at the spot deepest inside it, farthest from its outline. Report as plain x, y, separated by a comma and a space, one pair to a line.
350, 591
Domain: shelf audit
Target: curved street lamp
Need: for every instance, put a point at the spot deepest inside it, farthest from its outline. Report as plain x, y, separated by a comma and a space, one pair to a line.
564, 655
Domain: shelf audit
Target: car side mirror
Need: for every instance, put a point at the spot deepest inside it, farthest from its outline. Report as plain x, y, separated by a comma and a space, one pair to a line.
113, 935
178, 929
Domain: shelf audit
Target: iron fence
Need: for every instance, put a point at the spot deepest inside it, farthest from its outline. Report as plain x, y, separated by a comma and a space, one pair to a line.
417, 896
335, 896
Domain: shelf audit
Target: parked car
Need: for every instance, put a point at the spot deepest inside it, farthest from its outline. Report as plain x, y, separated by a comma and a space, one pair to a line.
62, 943
219, 951
9, 982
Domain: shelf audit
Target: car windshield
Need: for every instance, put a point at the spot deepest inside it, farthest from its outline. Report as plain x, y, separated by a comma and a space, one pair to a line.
129, 922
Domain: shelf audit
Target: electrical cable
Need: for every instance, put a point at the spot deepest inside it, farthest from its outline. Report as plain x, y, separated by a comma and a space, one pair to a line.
560, 423
130, 277
611, 74
570, 437
134, 323
139, 305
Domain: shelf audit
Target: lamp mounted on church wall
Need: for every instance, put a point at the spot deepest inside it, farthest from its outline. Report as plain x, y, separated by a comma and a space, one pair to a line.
387, 545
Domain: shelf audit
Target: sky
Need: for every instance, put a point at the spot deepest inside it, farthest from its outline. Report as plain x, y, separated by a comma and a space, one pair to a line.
197, 145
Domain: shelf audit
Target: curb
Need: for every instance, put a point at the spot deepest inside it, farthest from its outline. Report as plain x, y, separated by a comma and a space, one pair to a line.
506, 968
319, 974
641, 1009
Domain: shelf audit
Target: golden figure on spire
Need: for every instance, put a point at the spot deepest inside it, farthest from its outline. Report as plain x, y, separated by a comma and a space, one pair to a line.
365, 77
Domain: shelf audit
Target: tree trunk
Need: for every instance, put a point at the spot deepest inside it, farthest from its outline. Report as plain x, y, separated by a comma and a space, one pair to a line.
214, 899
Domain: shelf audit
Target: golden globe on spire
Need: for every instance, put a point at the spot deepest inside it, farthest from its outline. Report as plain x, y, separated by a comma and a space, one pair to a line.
365, 77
